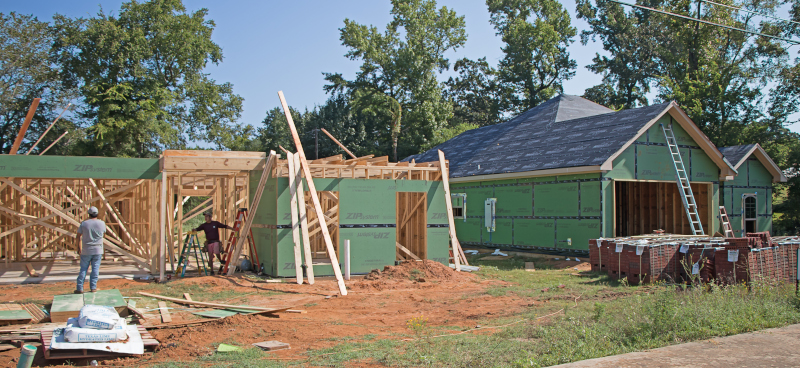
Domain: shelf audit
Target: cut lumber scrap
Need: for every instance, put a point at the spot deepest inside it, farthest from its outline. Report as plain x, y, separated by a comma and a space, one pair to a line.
180, 324
215, 305
20, 337
298, 258
337, 142
406, 251
162, 308
187, 297
31, 271
326, 236
237, 250
271, 345
449, 208
301, 206
38, 314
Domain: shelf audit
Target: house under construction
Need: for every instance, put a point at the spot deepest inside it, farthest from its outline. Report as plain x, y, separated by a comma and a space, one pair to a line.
570, 170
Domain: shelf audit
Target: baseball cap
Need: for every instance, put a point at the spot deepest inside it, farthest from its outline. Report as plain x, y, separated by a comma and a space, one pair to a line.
207, 213
93, 211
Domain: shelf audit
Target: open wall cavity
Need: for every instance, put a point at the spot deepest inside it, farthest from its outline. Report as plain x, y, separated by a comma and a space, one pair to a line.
642, 207
412, 216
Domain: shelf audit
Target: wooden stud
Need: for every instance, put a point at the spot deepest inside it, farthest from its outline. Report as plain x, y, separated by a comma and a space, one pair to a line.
449, 208
298, 258
24, 128
300, 194
338, 143
314, 199
165, 316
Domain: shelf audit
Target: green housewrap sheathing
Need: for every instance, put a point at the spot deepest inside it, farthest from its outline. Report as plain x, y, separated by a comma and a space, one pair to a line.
544, 212
73, 167
754, 179
541, 212
367, 217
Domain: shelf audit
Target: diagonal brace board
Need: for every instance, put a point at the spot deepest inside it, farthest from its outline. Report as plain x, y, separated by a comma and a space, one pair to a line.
457, 252
237, 250
301, 206
326, 236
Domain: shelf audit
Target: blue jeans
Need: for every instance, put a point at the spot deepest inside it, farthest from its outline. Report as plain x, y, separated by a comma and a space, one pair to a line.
94, 260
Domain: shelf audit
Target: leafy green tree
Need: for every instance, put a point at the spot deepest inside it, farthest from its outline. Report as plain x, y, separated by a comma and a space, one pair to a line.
397, 79
476, 93
140, 75
536, 61
25, 74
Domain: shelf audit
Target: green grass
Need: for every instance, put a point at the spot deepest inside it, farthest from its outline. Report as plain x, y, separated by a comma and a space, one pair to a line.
599, 317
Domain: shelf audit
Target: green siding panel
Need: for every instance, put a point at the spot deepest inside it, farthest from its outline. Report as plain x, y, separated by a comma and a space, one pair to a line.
556, 199
367, 202
538, 179
437, 208
514, 201
469, 231
475, 199
578, 177
759, 175
69, 167
534, 232
703, 169
370, 248
624, 165
439, 244
655, 162
590, 198
503, 232
580, 231
608, 209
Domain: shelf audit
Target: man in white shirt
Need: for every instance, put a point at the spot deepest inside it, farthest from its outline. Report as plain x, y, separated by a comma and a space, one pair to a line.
90, 247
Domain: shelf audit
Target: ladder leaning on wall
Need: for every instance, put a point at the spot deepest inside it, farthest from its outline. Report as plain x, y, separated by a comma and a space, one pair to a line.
726, 222
689, 203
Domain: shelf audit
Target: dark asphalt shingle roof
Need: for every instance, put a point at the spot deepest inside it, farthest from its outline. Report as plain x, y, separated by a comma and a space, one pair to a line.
565, 131
734, 154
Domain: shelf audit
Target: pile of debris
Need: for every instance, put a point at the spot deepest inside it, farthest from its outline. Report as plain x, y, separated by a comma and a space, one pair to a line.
411, 272
707, 259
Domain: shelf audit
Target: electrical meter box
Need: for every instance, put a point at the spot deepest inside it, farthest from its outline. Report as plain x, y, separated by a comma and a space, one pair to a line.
488, 213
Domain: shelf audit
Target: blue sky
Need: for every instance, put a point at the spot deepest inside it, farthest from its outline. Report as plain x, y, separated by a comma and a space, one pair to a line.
270, 46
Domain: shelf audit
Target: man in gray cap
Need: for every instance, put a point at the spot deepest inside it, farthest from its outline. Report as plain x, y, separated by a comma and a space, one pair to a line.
90, 247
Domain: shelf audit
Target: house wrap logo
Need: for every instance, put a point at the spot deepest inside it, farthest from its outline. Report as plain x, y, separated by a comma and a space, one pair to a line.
91, 168
374, 234
360, 216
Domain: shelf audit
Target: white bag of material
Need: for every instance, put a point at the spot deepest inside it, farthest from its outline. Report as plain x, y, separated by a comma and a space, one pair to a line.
97, 317
73, 333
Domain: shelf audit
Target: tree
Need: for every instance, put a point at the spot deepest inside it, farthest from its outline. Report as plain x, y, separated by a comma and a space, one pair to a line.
397, 79
476, 93
141, 79
25, 74
536, 35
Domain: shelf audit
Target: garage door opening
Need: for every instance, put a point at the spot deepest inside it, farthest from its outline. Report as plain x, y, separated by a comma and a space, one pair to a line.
642, 207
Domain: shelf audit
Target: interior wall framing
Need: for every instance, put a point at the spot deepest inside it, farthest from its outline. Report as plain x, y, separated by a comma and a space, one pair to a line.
644, 206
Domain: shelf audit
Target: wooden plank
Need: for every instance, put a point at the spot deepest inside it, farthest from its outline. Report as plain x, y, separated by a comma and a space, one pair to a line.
25, 125
47, 130
457, 252
215, 305
406, 251
301, 202
314, 198
237, 250
31, 271
338, 143
298, 258
162, 308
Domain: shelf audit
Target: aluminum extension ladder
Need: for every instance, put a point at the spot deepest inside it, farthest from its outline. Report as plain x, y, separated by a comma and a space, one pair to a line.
689, 203
726, 222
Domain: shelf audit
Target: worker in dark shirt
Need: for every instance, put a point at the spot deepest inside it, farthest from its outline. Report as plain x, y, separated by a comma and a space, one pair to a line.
211, 228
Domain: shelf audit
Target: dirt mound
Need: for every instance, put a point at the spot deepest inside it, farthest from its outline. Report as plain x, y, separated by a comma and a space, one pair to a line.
411, 273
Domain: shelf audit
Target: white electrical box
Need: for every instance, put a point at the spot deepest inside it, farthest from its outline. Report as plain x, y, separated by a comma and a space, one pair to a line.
459, 201
488, 213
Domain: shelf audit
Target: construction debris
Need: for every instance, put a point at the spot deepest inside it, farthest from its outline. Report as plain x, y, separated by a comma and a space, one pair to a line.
272, 345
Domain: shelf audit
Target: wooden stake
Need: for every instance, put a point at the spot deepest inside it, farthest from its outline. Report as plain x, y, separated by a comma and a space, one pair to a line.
237, 250
326, 236
449, 204
215, 305
298, 258
301, 201
337, 142
48, 129
25, 125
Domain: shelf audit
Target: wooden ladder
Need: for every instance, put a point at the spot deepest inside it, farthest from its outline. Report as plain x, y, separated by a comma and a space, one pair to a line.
685, 188
726, 222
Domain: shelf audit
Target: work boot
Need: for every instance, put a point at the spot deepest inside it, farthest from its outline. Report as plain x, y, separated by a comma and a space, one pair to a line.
77, 291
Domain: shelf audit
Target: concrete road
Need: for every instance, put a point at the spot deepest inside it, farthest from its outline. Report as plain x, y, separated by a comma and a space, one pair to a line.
777, 347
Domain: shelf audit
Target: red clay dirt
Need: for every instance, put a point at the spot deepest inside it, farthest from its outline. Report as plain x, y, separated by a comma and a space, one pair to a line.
379, 304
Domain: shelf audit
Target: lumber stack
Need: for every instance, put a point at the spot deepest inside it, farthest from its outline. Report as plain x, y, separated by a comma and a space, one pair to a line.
684, 259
